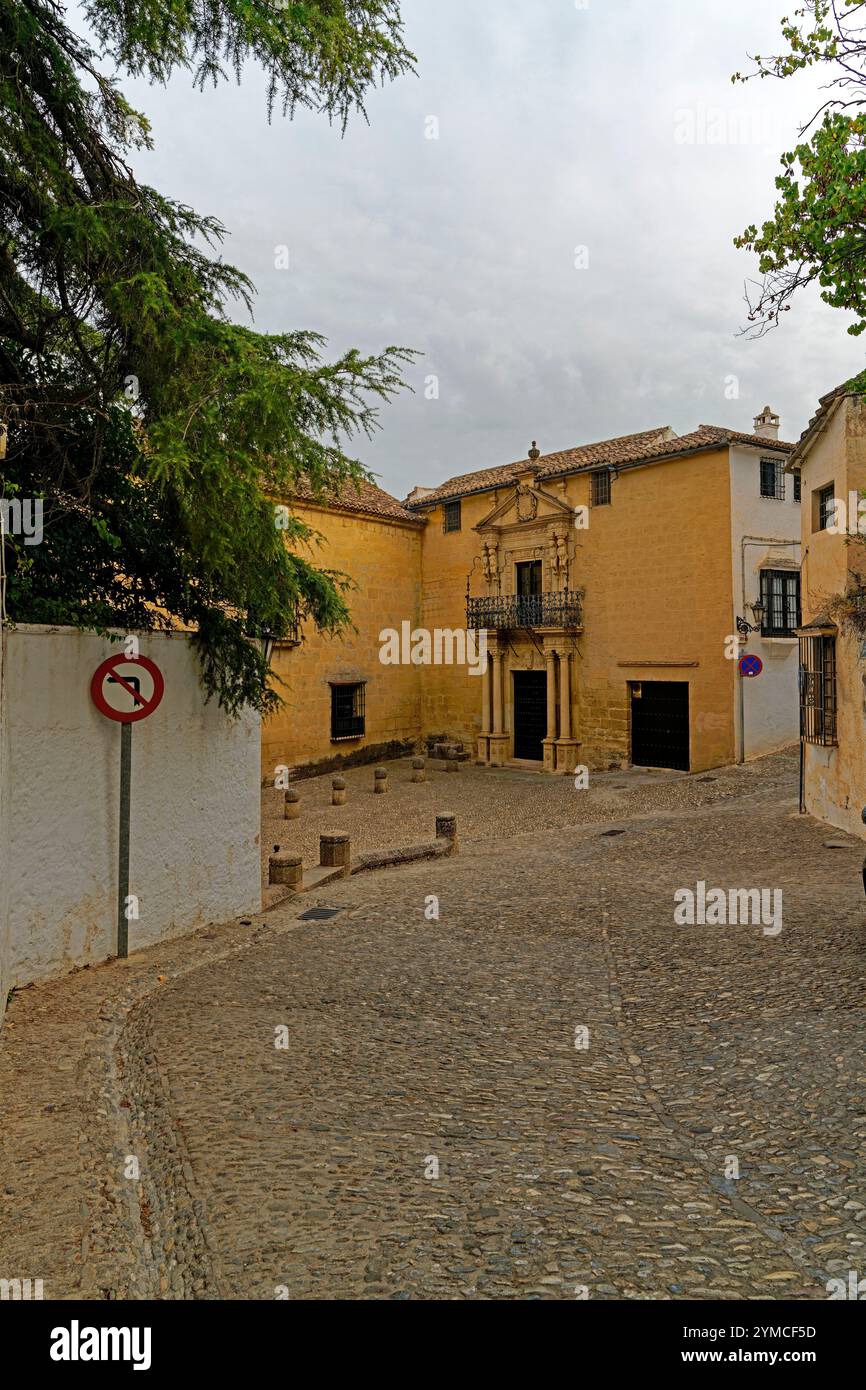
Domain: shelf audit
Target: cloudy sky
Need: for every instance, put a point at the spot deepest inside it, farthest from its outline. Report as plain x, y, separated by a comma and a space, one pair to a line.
561, 253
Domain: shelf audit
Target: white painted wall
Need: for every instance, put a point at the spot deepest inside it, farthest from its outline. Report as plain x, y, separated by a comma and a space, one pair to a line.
195, 804
770, 708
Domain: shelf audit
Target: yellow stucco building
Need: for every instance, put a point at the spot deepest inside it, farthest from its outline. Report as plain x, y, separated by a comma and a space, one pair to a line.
606, 582
830, 461
341, 704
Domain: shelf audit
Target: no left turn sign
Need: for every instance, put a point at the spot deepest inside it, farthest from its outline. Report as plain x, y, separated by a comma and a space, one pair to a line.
127, 688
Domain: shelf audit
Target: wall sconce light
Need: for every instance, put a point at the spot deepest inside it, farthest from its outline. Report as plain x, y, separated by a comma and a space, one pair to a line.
745, 628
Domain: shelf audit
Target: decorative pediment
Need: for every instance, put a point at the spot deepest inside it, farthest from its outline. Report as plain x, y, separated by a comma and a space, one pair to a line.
525, 504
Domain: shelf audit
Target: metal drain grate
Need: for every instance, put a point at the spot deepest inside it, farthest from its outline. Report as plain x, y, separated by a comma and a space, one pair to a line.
319, 914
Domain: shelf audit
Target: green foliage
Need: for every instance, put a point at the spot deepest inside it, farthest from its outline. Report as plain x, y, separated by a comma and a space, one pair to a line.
158, 431
815, 41
323, 54
817, 233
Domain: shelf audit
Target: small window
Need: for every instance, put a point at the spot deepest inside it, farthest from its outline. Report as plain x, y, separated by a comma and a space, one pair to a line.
797, 486
601, 488
826, 512
347, 711
780, 595
818, 689
452, 515
772, 479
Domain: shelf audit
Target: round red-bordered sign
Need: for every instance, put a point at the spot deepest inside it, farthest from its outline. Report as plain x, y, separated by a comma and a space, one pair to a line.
751, 665
142, 705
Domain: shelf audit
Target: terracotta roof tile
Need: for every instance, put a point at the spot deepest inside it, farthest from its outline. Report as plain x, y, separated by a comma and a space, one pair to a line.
360, 497
825, 405
626, 449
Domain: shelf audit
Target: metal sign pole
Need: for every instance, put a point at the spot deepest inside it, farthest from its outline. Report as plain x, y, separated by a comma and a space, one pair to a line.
108, 673
123, 848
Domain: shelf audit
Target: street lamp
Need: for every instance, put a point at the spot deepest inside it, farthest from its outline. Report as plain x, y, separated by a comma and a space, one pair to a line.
744, 628
268, 641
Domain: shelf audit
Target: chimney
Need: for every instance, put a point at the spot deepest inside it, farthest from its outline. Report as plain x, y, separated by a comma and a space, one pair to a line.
418, 494
767, 424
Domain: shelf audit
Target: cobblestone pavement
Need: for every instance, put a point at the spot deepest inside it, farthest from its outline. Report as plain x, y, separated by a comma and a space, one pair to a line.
490, 803
560, 1169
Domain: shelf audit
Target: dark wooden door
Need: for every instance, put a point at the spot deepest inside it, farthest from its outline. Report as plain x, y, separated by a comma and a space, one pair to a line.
530, 714
660, 724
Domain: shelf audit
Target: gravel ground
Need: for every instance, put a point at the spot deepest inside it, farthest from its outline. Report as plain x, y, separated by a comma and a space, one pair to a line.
492, 803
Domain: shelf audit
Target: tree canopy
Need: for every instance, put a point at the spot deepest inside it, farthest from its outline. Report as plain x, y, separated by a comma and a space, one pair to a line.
817, 233
159, 431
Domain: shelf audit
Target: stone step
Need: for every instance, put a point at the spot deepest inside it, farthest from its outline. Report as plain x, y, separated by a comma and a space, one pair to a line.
319, 875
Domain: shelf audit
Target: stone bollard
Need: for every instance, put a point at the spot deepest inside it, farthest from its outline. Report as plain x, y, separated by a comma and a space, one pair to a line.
293, 804
286, 868
380, 780
419, 773
335, 851
446, 829
338, 791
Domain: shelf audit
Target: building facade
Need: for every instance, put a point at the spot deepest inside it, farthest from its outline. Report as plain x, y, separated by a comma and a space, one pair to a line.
609, 580
606, 582
341, 704
830, 461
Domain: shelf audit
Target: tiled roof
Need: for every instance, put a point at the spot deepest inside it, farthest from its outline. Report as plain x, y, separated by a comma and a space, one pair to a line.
360, 497
825, 406
627, 449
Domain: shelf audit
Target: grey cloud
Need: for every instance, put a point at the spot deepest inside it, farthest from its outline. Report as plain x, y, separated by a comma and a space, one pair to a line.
557, 129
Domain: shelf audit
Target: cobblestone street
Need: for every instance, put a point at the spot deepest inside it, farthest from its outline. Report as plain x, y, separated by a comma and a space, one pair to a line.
413, 1043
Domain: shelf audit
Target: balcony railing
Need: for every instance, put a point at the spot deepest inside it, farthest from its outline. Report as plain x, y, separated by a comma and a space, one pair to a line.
506, 611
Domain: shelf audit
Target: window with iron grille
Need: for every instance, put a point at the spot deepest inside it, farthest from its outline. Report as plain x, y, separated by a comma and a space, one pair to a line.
452, 516
772, 479
347, 711
601, 488
826, 510
780, 595
798, 482
818, 689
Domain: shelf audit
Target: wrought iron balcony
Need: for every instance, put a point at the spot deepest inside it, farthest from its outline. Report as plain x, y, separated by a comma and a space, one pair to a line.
505, 611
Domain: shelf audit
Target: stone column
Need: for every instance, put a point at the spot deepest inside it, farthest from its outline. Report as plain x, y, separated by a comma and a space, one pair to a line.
486, 720
486, 695
551, 693
550, 742
564, 696
498, 739
566, 746
497, 691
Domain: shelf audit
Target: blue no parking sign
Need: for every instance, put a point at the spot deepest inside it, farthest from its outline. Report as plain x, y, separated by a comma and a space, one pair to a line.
751, 665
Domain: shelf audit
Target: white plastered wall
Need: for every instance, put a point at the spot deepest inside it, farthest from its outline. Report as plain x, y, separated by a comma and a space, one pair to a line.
760, 530
195, 804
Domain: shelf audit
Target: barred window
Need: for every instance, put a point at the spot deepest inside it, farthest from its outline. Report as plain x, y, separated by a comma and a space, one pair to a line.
773, 479
798, 483
348, 711
601, 488
826, 510
780, 595
818, 689
452, 517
